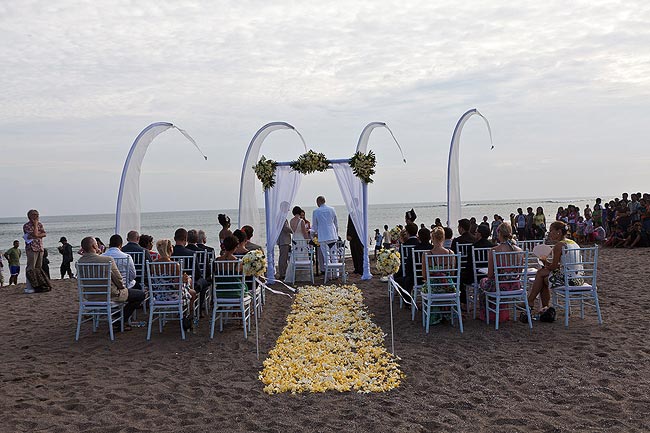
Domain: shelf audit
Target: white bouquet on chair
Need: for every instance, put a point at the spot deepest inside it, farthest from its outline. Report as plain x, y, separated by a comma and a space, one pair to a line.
254, 263
388, 261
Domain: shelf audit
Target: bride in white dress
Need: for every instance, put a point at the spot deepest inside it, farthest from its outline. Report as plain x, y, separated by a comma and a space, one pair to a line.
297, 225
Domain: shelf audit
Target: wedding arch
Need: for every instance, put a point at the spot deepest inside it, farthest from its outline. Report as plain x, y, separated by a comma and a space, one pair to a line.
127, 213
281, 181
453, 178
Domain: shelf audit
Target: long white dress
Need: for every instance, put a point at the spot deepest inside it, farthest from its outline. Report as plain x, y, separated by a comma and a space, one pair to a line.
298, 238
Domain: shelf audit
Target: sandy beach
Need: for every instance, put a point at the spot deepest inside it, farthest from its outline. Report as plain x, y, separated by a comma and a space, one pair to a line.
584, 378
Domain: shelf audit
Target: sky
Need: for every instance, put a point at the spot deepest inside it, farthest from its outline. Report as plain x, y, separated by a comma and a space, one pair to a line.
564, 85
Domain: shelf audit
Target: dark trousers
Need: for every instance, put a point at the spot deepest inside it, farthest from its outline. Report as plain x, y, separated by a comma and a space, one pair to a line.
356, 249
201, 287
521, 234
132, 302
65, 269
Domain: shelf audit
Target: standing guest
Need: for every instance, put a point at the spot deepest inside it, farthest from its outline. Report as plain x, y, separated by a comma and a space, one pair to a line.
513, 224
325, 226
386, 237
597, 214
284, 243
473, 228
250, 246
126, 267
520, 224
539, 223
465, 236
241, 247
133, 245
119, 292
485, 223
356, 247
2, 276
410, 216
495, 226
33, 234
530, 223
13, 259
438, 223
146, 242
46, 263
224, 220
449, 234
378, 239
66, 251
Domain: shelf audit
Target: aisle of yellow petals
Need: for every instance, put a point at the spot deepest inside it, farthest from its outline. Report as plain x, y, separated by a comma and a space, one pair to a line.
330, 343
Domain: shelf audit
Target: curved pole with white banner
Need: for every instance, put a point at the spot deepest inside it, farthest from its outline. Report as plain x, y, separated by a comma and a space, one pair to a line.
362, 146
453, 178
127, 214
248, 208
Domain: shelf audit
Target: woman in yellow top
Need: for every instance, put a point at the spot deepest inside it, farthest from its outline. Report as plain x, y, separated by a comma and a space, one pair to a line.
539, 223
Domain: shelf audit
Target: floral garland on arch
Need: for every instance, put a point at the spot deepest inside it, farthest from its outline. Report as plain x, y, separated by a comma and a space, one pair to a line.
310, 162
363, 165
265, 171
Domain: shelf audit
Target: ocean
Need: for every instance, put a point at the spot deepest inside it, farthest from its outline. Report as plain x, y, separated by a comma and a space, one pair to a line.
163, 224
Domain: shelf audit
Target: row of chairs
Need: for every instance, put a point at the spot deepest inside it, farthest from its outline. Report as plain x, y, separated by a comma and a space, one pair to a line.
510, 267
231, 294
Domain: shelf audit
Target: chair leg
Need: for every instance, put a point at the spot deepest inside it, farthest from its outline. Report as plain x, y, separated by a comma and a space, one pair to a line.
109, 319
595, 296
428, 316
475, 301
496, 314
567, 306
487, 310
582, 306
460, 316
79, 317
180, 320
150, 323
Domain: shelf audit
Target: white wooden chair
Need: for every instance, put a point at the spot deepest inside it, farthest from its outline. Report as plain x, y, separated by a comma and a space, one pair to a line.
229, 295
511, 278
418, 281
404, 252
582, 263
140, 275
165, 285
301, 259
335, 263
202, 263
479, 260
94, 290
529, 245
442, 287
189, 267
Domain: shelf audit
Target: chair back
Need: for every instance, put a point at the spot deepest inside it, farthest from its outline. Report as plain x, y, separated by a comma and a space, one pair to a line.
480, 257
201, 260
580, 263
529, 245
138, 262
165, 280
404, 252
336, 254
301, 251
418, 263
226, 274
122, 264
510, 270
464, 250
94, 281
442, 272
187, 265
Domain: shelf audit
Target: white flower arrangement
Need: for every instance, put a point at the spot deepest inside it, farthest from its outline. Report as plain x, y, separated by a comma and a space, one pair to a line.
254, 263
265, 171
363, 165
330, 343
388, 261
395, 234
310, 162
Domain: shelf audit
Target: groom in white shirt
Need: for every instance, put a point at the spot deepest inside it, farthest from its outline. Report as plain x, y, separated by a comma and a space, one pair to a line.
325, 226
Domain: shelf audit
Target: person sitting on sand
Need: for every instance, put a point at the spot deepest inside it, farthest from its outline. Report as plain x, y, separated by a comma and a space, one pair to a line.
488, 284
551, 274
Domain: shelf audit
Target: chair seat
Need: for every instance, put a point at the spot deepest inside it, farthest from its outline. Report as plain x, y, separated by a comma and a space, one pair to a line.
439, 295
584, 288
303, 262
231, 299
102, 304
505, 293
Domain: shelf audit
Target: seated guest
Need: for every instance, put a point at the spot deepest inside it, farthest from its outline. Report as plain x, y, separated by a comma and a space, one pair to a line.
230, 243
449, 234
241, 246
250, 246
437, 240
487, 284
133, 245
146, 242
465, 236
126, 266
203, 239
467, 275
164, 247
192, 240
180, 249
119, 293
410, 239
424, 240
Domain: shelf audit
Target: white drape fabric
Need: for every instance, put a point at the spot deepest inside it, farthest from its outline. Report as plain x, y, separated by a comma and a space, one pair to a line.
362, 144
279, 199
127, 214
453, 179
352, 191
250, 188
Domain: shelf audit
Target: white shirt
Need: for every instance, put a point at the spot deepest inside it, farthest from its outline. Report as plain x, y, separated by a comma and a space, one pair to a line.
126, 268
325, 224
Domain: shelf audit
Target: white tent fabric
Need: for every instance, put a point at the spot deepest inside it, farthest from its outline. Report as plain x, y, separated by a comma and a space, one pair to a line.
278, 202
127, 214
249, 187
362, 144
453, 178
352, 190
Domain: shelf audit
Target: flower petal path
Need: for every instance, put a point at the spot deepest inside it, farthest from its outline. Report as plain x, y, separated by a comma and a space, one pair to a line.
330, 343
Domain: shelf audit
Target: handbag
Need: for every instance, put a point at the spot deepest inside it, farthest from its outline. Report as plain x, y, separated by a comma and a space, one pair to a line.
548, 315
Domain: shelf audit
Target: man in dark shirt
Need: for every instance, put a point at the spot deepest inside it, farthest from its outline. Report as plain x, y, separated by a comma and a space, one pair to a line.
202, 240
407, 281
66, 251
180, 249
132, 246
424, 240
250, 246
465, 236
356, 247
